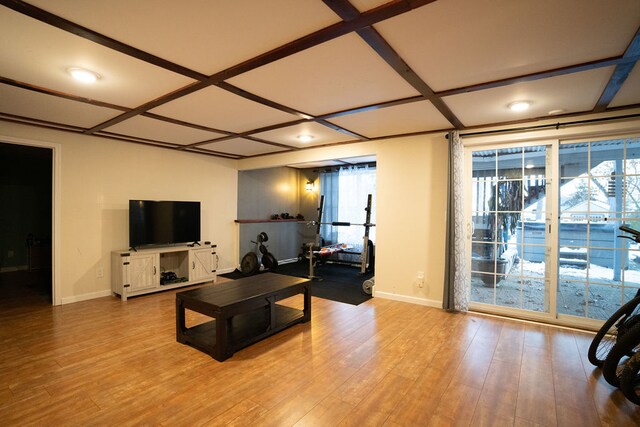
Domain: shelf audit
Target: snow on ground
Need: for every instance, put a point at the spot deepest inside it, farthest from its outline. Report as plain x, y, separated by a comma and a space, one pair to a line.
597, 301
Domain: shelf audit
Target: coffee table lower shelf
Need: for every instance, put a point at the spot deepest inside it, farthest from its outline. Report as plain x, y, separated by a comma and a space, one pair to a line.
242, 329
244, 311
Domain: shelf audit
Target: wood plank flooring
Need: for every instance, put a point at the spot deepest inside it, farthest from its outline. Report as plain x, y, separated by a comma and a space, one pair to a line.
382, 363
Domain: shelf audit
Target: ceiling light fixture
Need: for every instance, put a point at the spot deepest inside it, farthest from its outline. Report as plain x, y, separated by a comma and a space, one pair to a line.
519, 106
82, 75
558, 111
305, 138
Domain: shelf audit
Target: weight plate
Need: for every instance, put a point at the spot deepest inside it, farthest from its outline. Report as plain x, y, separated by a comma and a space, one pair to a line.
269, 261
263, 249
366, 286
249, 264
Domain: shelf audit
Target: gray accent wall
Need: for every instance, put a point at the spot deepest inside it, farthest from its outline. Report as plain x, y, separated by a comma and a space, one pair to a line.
264, 192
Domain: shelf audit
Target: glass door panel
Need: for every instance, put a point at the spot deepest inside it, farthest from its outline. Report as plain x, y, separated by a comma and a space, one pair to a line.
508, 260
599, 191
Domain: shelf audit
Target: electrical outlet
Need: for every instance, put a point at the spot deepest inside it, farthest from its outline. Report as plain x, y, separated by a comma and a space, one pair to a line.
100, 272
420, 278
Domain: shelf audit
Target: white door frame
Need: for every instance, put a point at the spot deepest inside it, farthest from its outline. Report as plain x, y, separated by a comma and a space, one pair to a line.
551, 221
56, 150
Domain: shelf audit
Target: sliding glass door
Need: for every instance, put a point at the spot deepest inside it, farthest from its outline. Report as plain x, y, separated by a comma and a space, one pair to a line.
544, 222
599, 192
509, 218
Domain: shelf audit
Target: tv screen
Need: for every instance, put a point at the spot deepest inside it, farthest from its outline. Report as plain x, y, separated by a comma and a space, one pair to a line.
153, 222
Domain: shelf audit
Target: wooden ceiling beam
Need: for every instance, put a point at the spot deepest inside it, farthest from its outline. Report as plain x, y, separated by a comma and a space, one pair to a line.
73, 28
185, 124
570, 69
347, 12
149, 105
158, 144
13, 118
385, 11
43, 90
391, 57
260, 100
370, 107
366, 19
342, 130
230, 137
78, 130
619, 75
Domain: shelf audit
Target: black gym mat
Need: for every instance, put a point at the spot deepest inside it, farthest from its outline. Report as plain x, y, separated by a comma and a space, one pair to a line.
342, 283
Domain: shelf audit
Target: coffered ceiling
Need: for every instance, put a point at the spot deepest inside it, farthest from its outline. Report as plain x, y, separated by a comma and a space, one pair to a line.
246, 78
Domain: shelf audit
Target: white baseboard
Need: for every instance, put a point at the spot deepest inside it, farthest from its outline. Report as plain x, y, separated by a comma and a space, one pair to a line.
411, 300
85, 297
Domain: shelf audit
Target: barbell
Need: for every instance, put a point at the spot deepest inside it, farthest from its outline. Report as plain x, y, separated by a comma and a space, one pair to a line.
339, 224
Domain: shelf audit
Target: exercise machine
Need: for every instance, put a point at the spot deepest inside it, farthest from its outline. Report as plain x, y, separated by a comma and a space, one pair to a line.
315, 252
250, 264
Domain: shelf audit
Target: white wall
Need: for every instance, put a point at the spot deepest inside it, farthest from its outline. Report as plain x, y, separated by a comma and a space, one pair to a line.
411, 199
411, 196
411, 184
99, 176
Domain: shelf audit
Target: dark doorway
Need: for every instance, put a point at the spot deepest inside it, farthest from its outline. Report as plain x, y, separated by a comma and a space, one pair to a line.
25, 223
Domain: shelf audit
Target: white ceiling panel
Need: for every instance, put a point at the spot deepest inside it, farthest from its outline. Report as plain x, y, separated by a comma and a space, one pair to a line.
338, 162
221, 109
242, 147
324, 66
289, 135
570, 93
340, 74
321, 164
359, 159
456, 43
629, 93
145, 127
35, 105
406, 118
204, 35
40, 55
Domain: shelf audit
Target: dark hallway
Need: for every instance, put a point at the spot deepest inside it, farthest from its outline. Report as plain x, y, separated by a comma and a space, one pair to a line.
25, 223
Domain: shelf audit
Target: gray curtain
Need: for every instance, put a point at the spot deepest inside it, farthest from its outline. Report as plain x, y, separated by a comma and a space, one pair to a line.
456, 285
330, 190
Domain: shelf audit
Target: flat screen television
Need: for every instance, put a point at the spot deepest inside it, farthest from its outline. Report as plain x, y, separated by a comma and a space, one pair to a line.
155, 222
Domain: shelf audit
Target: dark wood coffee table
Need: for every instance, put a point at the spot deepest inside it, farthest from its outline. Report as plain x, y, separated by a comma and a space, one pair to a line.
244, 312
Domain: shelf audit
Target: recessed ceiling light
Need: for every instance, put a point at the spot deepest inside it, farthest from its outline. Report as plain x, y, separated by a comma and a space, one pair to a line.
518, 106
558, 111
82, 75
305, 138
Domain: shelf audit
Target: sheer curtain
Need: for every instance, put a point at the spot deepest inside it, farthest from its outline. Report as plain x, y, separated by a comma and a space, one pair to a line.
329, 188
356, 183
456, 281
345, 199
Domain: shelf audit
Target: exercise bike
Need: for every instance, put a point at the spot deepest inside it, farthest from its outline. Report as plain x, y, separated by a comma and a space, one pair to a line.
250, 264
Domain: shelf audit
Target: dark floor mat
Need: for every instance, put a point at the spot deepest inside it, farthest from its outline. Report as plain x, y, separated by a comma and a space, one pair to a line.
342, 283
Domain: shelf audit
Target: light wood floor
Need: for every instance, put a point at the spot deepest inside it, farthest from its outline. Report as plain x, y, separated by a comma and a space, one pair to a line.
107, 362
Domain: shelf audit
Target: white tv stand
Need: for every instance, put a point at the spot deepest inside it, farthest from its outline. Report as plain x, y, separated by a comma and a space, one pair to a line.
139, 272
